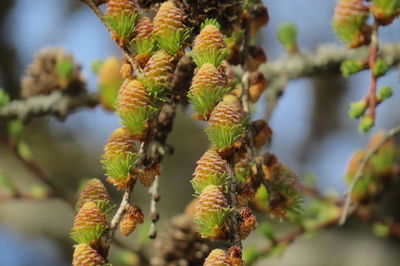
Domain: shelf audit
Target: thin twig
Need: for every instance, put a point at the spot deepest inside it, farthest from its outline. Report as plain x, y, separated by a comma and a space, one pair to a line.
360, 171
155, 197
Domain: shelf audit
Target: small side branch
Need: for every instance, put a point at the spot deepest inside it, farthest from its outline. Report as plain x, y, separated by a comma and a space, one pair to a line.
155, 197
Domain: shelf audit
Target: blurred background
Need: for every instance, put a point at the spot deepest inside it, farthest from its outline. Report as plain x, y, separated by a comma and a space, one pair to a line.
312, 134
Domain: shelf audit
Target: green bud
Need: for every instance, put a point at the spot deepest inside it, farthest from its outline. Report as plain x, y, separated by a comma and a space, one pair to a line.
267, 231
381, 230
96, 65
350, 67
4, 98
366, 124
15, 129
65, 69
6, 182
385, 93
251, 254
357, 109
380, 68
39, 192
287, 36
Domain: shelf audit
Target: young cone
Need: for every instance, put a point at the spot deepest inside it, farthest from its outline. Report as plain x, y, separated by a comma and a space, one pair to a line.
209, 85
211, 213
109, 81
119, 157
217, 257
210, 170
121, 16
131, 219
169, 29
349, 22
85, 255
95, 191
134, 106
209, 46
89, 224
225, 124
158, 73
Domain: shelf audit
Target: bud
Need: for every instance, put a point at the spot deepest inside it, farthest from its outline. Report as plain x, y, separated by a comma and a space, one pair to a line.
380, 68
131, 219
126, 71
260, 18
245, 193
85, 255
4, 98
158, 74
89, 224
121, 16
143, 43
146, 176
217, 257
119, 157
225, 124
209, 46
133, 106
256, 58
366, 124
208, 87
210, 170
349, 22
235, 256
169, 29
211, 213
357, 109
287, 36
385, 93
350, 67
248, 222
109, 81
94, 191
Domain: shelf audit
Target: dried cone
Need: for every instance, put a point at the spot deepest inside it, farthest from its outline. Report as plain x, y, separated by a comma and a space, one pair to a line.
119, 157
121, 16
260, 18
146, 176
89, 224
209, 46
95, 191
134, 106
349, 22
158, 73
131, 219
85, 255
109, 82
261, 132
211, 213
248, 222
217, 257
225, 124
143, 43
210, 170
258, 84
208, 87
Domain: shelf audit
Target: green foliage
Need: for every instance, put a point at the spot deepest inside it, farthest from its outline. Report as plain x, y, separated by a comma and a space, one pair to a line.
6, 183
351, 67
224, 136
143, 46
105, 206
109, 91
4, 98
159, 90
380, 68
210, 21
173, 40
216, 179
24, 150
88, 235
347, 30
385, 93
388, 6
366, 124
212, 56
267, 230
381, 230
120, 166
15, 129
210, 223
287, 36
357, 109
136, 120
123, 25
205, 100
